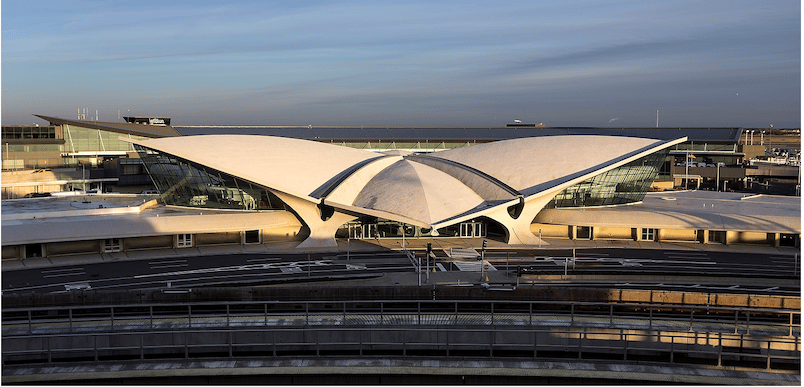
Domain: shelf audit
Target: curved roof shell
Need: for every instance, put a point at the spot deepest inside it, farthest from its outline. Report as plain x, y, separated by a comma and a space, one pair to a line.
417, 191
529, 162
428, 189
296, 167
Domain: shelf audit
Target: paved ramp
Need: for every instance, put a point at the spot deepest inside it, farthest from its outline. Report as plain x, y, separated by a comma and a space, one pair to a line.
474, 266
461, 253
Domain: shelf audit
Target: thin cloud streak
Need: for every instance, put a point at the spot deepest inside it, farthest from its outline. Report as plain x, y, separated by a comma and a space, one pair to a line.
353, 62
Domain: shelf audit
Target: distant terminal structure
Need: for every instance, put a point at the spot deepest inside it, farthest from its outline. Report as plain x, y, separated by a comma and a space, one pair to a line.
159, 121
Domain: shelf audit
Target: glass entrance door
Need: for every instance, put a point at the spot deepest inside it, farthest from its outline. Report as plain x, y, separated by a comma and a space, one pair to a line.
473, 230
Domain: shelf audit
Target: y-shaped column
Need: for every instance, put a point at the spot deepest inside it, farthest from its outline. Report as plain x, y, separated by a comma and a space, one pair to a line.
322, 232
519, 229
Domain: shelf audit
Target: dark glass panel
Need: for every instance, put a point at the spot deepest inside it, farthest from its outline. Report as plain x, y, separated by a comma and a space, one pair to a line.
626, 184
184, 183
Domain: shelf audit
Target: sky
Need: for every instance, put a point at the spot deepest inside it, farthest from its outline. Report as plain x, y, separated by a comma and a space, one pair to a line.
408, 63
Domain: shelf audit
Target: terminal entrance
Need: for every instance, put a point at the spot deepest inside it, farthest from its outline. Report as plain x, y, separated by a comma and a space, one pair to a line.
363, 231
473, 230
374, 228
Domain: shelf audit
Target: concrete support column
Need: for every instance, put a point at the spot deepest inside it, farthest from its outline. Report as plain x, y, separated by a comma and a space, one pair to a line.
774, 239
322, 232
518, 229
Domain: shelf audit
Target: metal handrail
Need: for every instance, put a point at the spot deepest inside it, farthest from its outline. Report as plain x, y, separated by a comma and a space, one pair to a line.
422, 301
742, 317
619, 342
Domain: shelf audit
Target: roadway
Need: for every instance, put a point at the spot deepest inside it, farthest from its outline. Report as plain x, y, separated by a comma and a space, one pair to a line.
770, 274
209, 270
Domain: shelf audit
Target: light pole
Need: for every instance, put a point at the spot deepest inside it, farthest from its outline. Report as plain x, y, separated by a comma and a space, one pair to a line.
717, 184
687, 172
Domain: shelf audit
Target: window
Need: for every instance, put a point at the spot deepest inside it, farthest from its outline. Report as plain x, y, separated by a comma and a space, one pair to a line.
649, 234
252, 236
583, 232
33, 250
185, 240
717, 236
788, 240
112, 245
625, 184
188, 184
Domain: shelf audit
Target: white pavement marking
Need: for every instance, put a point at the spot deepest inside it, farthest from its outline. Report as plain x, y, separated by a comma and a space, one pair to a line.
167, 262
263, 266
264, 259
78, 286
291, 269
63, 272
685, 252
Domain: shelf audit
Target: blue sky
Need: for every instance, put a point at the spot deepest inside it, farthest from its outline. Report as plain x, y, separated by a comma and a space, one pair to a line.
574, 63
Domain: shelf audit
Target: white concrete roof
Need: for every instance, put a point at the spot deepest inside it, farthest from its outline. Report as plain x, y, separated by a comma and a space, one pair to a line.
453, 183
296, 167
704, 210
73, 224
527, 162
417, 191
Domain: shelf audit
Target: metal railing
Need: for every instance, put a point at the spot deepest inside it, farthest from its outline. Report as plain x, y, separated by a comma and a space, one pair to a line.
755, 338
758, 321
718, 349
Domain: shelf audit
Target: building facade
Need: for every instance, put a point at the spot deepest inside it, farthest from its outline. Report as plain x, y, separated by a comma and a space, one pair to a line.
492, 188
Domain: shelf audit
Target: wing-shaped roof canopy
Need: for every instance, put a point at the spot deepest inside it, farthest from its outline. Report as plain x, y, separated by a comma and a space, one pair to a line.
296, 167
528, 162
429, 190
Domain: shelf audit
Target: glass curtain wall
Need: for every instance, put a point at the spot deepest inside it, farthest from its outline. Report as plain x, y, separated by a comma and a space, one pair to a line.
79, 139
184, 183
626, 184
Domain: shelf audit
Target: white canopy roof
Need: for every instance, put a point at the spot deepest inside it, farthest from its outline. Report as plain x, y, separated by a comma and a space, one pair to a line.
467, 179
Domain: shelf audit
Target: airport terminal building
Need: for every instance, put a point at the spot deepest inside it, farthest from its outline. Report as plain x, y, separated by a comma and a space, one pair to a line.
243, 189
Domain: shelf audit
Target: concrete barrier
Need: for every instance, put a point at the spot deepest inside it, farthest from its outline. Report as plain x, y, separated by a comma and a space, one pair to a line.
356, 293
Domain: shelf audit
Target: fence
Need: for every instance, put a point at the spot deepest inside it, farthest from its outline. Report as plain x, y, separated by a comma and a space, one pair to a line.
755, 338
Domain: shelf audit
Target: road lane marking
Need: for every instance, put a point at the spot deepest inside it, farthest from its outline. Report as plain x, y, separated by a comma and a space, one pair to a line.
63, 274
169, 266
167, 262
262, 266
61, 270
264, 259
